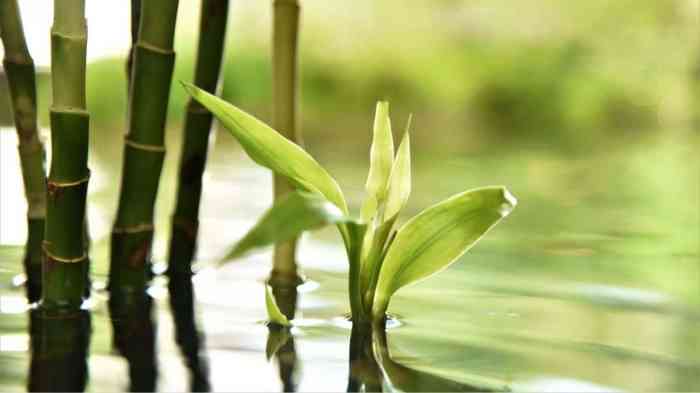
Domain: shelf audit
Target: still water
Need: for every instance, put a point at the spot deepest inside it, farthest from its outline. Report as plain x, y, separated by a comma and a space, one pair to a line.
592, 284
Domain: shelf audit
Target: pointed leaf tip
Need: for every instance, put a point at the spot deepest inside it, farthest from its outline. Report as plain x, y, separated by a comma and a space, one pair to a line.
437, 237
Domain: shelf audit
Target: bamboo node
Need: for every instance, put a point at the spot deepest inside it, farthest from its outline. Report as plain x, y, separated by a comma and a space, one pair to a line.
63, 109
143, 146
56, 258
133, 229
19, 60
72, 37
153, 48
32, 147
58, 184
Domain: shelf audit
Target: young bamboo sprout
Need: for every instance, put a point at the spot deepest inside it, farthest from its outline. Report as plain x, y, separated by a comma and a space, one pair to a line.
19, 68
382, 259
60, 328
285, 28
198, 121
144, 151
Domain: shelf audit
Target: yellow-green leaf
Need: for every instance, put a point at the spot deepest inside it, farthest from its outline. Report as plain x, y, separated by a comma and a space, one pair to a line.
274, 315
437, 237
399, 187
381, 157
270, 149
297, 212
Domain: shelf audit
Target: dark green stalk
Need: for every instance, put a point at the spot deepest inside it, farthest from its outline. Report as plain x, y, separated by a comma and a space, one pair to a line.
284, 93
60, 329
144, 151
19, 68
198, 121
135, 19
65, 260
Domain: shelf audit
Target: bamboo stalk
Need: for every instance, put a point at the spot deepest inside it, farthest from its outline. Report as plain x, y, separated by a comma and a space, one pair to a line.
135, 19
19, 68
198, 121
284, 119
144, 151
60, 329
65, 261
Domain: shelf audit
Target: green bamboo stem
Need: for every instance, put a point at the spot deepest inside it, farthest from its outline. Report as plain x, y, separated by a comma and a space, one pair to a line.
144, 151
135, 19
284, 119
19, 68
198, 122
65, 262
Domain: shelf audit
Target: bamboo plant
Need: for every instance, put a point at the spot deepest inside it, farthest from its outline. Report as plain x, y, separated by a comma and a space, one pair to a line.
144, 151
285, 31
60, 327
19, 68
130, 267
381, 259
198, 122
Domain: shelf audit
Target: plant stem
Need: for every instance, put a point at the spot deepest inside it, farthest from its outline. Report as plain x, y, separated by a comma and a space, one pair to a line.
19, 68
284, 92
198, 123
60, 329
130, 272
183, 240
144, 151
135, 19
65, 263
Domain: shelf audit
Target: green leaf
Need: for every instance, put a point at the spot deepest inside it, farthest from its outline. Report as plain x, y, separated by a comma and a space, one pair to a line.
381, 157
274, 315
297, 212
399, 187
437, 237
270, 149
276, 338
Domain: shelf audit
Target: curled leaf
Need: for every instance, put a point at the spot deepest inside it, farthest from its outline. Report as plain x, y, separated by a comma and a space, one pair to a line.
274, 315
381, 157
437, 237
270, 149
297, 212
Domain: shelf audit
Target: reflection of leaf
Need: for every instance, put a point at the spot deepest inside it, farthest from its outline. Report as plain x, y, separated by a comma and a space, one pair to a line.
274, 314
276, 339
297, 212
406, 379
437, 237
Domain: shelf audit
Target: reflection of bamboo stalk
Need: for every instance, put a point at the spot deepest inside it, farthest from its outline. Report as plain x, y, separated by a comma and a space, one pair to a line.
19, 68
59, 328
130, 267
198, 121
284, 87
64, 279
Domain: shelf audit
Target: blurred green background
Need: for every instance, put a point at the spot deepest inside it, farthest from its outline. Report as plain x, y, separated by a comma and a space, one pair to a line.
574, 75
587, 110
